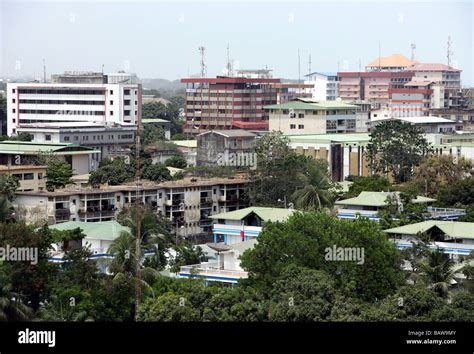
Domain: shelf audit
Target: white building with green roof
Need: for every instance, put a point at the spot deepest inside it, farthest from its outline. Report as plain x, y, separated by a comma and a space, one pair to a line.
309, 116
452, 237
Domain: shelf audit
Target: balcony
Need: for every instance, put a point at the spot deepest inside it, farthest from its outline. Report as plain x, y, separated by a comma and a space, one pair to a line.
353, 214
206, 201
445, 213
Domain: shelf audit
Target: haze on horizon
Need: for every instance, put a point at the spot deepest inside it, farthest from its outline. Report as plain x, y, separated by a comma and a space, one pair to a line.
160, 39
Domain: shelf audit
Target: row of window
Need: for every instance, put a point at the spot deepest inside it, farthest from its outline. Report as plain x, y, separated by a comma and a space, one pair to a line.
61, 112
293, 126
98, 137
27, 176
95, 103
43, 91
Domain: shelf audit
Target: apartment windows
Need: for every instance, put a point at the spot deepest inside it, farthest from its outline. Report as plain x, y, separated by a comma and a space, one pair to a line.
111, 113
292, 126
111, 92
13, 90
28, 176
126, 92
76, 138
300, 126
13, 100
300, 115
47, 137
66, 138
126, 102
126, 113
13, 110
111, 102
331, 125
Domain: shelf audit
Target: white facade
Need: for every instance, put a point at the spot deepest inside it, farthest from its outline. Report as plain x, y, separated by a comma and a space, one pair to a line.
31, 103
325, 86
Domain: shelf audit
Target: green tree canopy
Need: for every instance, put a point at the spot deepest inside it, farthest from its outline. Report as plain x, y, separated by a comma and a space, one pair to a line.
58, 174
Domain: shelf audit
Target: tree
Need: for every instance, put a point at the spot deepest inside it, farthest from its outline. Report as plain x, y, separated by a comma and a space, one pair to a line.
186, 254
155, 172
438, 272
396, 148
177, 161
304, 241
460, 193
151, 134
113, 172
124, 256
58, 174
11, 306
314, 194
8, 186
441, 171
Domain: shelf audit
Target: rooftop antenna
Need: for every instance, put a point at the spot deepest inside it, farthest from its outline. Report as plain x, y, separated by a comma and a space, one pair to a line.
449, 51
102, 69
229, 63
203, 64
44, 71
299, 67
413, 47
309, 64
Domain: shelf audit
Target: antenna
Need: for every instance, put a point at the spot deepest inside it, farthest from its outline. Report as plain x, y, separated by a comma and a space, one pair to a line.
299, 67
44, 71
309, 64
229, 63
449, 51
203, 64
102, 69
413, 47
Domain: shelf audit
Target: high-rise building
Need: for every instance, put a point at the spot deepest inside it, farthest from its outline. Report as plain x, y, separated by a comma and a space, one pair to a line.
324, 86
74, 97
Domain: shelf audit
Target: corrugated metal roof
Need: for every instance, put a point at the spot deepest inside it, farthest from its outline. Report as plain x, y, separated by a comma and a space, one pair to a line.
231, 133
103, 230
27, 147
266, 214
394, 60
377, 199
454, 229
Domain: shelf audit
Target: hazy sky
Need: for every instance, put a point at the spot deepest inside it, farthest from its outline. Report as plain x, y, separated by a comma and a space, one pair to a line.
161, 38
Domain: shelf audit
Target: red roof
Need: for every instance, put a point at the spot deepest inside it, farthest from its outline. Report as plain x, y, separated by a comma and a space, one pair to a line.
376, 74
432, 67
250, 125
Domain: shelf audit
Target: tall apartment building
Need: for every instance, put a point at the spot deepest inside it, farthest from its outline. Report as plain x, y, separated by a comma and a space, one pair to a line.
448, 76
74, 97
227, 103
371, 86
324, 86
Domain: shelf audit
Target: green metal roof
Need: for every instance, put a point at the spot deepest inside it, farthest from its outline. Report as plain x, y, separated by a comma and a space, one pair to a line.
377, 199
154, 120
342, 138
29, 148
266, 214
185, 143
103, 230
454, 229
308, 104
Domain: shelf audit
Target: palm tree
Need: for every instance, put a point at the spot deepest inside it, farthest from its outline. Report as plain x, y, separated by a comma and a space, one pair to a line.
11, 307
315, 193
124, 257
57, 311
438, 271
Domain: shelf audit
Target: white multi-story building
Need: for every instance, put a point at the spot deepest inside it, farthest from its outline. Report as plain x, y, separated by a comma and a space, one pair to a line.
74, 97
325, 86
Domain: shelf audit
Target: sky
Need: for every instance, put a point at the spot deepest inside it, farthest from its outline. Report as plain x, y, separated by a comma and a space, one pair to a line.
160, 39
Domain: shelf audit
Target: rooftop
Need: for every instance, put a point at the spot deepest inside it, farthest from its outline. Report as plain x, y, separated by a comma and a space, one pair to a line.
432, 67
311, 104
453, 229
185, 143
154, 120
340, 138
394, 60
231, 133
418, 120
266, 214
33, 148
104, 230
377, 199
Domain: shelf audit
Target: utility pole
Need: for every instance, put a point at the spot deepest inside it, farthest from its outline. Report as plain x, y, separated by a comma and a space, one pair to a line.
299, 67
413, 47
309, 65
229, 63
137, 224
449, 52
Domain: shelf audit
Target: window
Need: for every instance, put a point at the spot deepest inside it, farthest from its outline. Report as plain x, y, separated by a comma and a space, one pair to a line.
40, 175
19, 176
76, 138
13, 100
111, 113
292, 126
111, 102
47, 137
126, 113
66, 138
126, 92
300, 126
111, 92
13, 90
300, 115
13, 110
126, 102
28, 176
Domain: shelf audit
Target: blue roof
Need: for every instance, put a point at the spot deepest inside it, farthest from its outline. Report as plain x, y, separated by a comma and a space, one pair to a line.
325, 73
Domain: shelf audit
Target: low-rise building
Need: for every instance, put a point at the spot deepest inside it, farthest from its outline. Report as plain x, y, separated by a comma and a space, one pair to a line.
21, 153
31, 177
452, 237
161, 123
368, 204
429, 124
306, 116
226, 148
188, 203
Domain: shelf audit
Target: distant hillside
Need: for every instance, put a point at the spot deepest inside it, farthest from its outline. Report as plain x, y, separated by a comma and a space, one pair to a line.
162, 85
